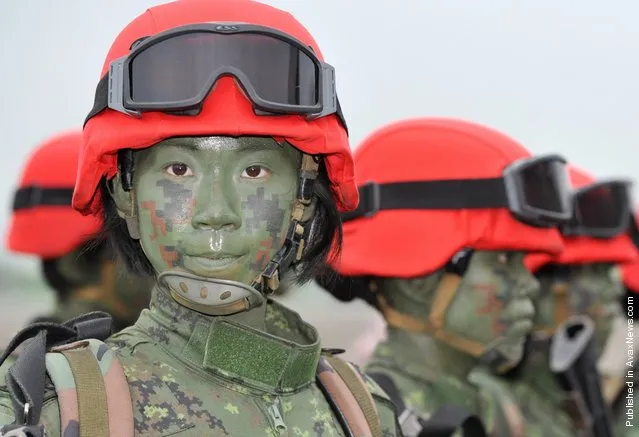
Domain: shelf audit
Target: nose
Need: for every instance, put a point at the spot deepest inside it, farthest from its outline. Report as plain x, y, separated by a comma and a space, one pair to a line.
216, 206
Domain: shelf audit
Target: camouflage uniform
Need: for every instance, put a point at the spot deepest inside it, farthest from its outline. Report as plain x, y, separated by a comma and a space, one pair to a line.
192, 375
532, 394
591, 290
425, 390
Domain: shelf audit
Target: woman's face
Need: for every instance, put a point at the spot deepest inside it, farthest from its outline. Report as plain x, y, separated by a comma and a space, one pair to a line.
216, 207
591, 289
493, 304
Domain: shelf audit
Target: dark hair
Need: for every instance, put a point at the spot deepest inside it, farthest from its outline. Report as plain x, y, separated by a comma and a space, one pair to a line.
324, 229
347, 288
88, 259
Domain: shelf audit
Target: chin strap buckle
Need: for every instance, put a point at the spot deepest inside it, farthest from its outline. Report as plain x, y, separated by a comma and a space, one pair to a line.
291, 251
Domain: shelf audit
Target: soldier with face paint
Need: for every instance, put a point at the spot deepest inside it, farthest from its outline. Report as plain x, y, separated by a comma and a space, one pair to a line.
582, 280
218, 155
448, 209
80, 269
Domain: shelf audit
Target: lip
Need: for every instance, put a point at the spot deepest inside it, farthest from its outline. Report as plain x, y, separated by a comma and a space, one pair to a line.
517, 311
213, 265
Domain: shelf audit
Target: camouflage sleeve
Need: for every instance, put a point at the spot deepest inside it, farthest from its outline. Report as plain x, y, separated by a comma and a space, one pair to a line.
50, 416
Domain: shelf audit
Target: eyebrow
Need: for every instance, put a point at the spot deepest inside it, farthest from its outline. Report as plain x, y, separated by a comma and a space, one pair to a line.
254, 144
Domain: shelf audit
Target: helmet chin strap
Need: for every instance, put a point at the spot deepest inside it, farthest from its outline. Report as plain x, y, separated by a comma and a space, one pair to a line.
214, 297
291, 251
218, 297
435, 327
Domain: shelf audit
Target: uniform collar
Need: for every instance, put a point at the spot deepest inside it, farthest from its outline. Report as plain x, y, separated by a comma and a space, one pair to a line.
279, 359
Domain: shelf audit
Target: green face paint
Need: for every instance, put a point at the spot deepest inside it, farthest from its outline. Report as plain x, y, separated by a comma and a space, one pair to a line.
593, 290
216, 207
493, 303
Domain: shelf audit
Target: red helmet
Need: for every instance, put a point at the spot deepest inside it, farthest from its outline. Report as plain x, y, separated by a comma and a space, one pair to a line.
43, 222
408, 243
583, 249
226, 110
631, 270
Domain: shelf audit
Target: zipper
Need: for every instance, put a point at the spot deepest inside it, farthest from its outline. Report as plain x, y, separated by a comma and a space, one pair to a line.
276, 418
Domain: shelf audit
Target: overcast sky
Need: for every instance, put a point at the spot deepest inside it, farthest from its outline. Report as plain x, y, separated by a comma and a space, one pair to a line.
558, 76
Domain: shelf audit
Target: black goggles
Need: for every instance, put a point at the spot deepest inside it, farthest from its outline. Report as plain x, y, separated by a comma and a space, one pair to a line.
601, 210
34, 196
175, 70
535, 190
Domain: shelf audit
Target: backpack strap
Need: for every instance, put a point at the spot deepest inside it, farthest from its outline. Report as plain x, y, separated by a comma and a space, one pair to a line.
348, 394
27, 376
92, 390
444, 423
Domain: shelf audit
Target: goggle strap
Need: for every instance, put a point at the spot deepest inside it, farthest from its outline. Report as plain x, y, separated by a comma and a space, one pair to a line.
101, 101
429, 195
33, 196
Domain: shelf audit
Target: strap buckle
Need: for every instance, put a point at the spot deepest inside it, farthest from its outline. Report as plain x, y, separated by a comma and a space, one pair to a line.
28, 197
370, 198
25, 412
410, 423
18, 432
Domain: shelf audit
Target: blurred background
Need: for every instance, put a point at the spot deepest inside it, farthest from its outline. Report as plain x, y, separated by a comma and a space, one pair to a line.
558, 76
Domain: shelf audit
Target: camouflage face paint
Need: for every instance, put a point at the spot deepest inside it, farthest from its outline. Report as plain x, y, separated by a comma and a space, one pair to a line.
493, 302
593, 290
216, 207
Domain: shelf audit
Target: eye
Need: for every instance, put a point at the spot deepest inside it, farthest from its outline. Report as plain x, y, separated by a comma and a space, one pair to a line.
179, 169
255, 172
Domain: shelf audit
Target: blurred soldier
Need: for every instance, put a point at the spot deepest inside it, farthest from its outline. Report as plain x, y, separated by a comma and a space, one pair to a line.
76, 265
618, 386
448, 210
582, 280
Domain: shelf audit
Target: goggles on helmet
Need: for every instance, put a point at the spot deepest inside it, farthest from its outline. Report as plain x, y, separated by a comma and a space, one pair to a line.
175, 70
535, 190
34, 196
601, 210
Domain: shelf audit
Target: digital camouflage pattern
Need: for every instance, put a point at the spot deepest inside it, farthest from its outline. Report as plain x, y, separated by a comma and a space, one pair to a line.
218, 208
425, 388
196, 375
541, 417
591, 290
493, 301
215, 206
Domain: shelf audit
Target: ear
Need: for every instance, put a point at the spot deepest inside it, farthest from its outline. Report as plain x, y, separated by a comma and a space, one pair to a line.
126, 205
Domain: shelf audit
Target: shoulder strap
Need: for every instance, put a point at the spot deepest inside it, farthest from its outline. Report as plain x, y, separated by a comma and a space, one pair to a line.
347, 392
27, 376
443, 423
92, 390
